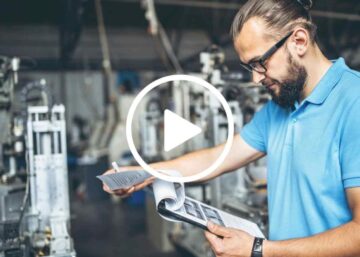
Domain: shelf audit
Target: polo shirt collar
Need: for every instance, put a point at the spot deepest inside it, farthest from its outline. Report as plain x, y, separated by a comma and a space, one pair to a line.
327, 82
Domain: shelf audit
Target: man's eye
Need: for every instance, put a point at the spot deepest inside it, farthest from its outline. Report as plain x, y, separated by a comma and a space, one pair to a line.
255, 64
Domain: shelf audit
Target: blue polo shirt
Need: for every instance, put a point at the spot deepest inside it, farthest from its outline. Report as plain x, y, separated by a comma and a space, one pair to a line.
313, 155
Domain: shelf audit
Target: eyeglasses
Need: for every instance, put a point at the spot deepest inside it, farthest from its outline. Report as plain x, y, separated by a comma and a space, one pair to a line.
258, 65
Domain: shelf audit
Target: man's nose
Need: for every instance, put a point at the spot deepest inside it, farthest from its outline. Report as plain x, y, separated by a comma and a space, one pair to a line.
258, 77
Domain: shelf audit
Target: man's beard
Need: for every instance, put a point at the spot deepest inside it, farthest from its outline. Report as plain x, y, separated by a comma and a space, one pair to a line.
292, 86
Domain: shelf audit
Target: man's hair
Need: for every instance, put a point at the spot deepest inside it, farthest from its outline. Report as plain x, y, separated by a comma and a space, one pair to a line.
280, 16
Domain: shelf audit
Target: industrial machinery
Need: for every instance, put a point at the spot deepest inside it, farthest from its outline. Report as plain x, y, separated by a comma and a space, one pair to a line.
48, 216
12, 189
150, 121
34, 198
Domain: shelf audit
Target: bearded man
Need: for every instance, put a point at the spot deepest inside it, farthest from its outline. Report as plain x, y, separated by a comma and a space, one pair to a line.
310, 133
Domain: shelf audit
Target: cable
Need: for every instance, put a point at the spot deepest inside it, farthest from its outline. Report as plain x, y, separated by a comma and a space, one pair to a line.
102, 36
104, 49
26, 196
156, 29
169, 49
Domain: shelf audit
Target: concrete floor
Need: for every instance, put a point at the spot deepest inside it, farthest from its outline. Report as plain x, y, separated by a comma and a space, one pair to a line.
105, 229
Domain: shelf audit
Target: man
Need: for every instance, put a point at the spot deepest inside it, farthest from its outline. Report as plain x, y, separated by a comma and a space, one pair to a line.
310, 133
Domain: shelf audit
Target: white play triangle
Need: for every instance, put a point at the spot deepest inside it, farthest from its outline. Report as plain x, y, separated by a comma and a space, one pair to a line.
177, 130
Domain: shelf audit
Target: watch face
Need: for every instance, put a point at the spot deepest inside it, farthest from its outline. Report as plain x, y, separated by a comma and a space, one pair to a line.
257, 247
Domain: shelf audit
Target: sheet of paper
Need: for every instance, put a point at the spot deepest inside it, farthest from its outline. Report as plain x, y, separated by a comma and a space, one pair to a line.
124, 179
240, 223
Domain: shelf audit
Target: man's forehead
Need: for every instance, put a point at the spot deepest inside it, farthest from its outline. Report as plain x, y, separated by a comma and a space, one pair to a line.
252, 40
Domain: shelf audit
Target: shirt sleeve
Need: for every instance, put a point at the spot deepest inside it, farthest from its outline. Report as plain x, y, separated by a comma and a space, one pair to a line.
350, 147
255, 132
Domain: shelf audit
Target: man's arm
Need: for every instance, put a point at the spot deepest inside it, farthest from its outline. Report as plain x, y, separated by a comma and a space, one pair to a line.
339, 242
192, 163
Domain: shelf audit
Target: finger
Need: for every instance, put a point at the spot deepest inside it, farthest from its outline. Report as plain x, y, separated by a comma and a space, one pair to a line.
127, 194
219, 230
106, 188
143, 184
122, 192
215, 242
124, 195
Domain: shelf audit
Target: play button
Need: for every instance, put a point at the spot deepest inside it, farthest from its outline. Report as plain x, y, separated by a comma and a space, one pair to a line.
177, 130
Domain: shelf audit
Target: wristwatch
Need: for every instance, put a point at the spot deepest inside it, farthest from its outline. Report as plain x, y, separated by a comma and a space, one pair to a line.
257, 249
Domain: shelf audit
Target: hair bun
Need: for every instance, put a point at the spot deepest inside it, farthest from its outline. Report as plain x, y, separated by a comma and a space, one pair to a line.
307, 4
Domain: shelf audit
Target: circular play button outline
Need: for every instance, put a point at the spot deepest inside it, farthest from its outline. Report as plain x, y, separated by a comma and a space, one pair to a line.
202, 83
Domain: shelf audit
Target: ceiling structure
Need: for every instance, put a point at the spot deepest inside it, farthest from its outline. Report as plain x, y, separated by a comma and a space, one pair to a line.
66, 37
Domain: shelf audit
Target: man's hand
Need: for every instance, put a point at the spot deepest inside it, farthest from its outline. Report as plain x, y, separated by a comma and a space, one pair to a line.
228, 242
127, 191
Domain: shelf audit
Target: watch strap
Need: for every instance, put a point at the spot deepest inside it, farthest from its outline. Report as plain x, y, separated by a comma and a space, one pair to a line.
257, 249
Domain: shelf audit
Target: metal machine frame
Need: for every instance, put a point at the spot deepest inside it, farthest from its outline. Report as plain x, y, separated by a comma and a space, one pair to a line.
49, 212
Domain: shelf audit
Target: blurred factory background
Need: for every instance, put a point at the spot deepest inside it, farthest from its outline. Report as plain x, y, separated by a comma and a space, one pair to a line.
69, 70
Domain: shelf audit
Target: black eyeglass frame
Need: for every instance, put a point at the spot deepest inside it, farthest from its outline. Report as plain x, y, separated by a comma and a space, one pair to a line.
252, 66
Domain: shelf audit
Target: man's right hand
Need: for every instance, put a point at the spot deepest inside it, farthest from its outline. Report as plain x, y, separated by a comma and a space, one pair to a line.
127, 191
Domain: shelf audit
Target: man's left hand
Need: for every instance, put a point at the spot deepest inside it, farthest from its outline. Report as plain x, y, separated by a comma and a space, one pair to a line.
229, 242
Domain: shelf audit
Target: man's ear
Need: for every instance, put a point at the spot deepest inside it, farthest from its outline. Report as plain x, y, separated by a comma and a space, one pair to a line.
299, 41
